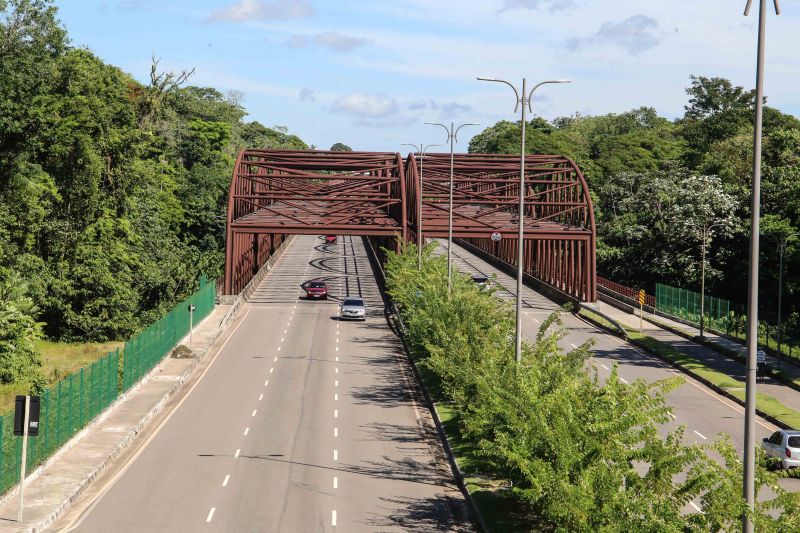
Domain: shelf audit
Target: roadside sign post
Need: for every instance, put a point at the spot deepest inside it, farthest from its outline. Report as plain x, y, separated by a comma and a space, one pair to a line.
191, 322
26, 423
641, 308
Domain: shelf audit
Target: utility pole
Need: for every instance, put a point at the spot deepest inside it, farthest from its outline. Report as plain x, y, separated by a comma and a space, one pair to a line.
748, 485
524, 100
452, 136
421, 150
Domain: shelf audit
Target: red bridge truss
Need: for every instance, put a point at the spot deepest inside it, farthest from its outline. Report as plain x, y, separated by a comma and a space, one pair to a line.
275, 193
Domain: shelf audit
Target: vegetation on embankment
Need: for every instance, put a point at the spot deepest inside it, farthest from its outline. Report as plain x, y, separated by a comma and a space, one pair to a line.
112, 192
558, 449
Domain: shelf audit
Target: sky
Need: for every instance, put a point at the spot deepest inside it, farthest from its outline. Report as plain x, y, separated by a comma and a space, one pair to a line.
370, 73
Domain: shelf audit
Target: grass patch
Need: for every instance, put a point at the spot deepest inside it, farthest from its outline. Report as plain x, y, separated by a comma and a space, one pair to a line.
59, 359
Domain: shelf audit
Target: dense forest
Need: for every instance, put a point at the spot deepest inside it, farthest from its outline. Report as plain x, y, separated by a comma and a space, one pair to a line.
112, 192
657, 184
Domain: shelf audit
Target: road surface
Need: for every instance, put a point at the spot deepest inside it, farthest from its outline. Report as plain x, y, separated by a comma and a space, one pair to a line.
302, 423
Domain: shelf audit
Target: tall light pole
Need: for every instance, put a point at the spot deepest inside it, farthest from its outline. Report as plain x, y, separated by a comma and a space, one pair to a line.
706, 235
525, 101
783, 241
748, 484
421, 149
452, 136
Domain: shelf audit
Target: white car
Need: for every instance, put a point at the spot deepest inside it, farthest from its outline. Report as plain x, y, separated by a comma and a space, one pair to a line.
353, 308
785, 445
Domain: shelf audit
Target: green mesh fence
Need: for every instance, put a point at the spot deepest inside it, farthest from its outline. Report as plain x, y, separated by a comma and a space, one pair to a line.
720, 314
70, 404
66, 408
147, 348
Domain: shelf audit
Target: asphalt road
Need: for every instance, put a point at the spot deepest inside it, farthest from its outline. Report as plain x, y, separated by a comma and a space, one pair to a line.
703, 412
302, 423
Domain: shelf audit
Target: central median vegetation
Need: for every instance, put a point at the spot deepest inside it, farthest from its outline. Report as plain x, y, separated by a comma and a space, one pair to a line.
547, 444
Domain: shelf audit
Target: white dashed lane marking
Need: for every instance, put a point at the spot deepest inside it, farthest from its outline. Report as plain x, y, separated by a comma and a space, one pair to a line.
225, 482
246, 431
236, 455
210, 514
700, 435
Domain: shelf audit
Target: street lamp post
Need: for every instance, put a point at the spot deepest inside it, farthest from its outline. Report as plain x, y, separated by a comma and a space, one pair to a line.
525, 101
452, 136
706, 236
782, 243
748, 483
421, 150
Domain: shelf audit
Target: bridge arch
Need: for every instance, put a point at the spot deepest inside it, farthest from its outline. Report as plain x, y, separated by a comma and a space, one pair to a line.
559, 228
275, 193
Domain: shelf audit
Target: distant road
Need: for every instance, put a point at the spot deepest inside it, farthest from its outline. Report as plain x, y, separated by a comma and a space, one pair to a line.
302, 424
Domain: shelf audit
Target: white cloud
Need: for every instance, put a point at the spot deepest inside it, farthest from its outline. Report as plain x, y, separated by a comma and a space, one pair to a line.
366, 105
306, 95
297, 41
553, 5
249, 10
635, 35
339, 41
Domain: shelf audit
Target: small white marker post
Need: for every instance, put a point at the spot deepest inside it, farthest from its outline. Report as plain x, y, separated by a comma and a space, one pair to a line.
191, 322
24, 458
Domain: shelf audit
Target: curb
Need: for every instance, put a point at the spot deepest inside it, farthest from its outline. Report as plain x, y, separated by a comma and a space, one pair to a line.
430, 404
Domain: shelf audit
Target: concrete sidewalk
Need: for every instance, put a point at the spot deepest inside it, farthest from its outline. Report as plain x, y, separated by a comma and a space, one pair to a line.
710, 357
51, 488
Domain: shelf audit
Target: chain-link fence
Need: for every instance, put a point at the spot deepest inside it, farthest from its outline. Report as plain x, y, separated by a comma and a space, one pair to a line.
147, 348
70, 404
720, 314
66, 407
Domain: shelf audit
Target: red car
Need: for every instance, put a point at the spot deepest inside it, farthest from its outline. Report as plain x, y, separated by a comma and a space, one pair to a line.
330, 239
316, 290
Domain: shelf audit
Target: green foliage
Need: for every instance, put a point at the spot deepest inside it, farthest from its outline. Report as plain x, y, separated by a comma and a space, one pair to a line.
340, 147
113, 193
581, 454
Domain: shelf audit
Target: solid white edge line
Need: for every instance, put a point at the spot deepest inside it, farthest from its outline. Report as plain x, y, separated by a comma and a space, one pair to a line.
700, 435
623, 380
695, 506
225, 482
210, 514
604, 366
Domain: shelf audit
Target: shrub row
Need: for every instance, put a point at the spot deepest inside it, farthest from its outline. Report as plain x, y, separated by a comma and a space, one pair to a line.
581, 453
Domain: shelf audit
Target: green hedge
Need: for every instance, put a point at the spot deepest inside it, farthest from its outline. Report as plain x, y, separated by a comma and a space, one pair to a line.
581, 454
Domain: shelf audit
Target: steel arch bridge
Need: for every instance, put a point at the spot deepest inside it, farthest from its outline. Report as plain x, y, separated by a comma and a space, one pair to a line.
275, 193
